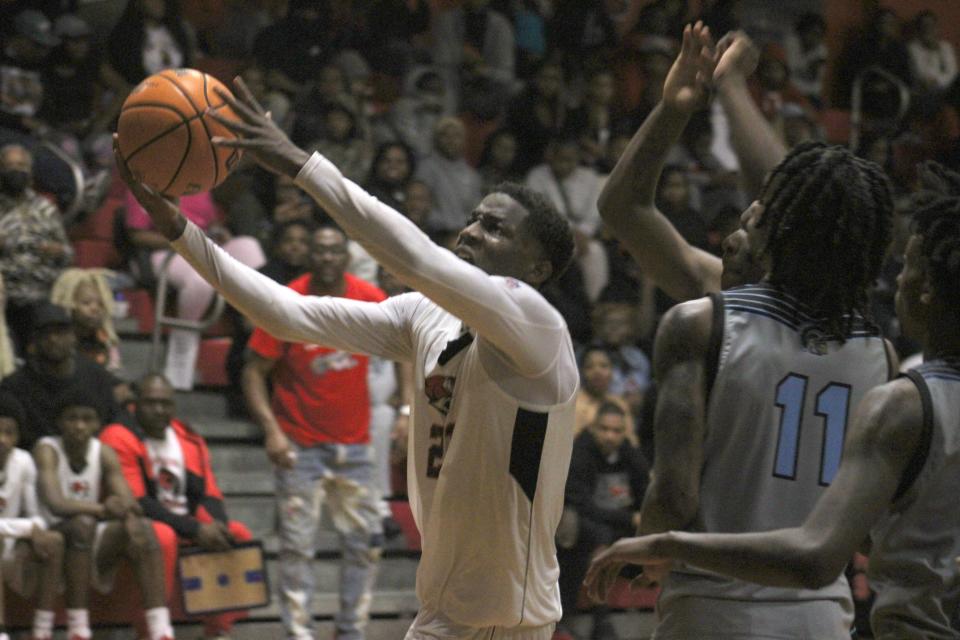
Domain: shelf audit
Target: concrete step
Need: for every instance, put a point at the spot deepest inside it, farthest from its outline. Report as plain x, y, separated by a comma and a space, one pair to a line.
386, 628
127, 328
135, 357
391, 628
199, 405
253, 482
221, 428
259, 513
328, 544
629, 625
393, 591
238, 458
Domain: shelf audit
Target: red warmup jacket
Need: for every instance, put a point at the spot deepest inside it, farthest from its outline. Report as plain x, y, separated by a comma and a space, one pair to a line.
202, 491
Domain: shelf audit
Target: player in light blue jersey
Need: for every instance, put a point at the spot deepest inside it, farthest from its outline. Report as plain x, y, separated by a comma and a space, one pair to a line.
756, 382
899, 480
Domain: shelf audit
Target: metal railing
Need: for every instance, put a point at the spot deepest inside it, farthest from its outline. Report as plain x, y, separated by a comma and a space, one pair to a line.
72, 208
162, 320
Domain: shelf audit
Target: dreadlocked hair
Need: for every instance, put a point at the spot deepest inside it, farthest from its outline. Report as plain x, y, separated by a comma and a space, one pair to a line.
828, 215
937, 178
938, 224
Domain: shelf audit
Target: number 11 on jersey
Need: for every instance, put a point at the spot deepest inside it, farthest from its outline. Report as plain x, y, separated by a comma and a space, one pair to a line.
832, 404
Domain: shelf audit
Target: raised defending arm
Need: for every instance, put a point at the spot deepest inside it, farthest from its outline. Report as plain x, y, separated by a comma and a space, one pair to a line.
627, 201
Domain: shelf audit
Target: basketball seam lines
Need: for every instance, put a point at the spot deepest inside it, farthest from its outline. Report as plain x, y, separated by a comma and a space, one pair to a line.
213, 148
186, 151
146, 144
183, 121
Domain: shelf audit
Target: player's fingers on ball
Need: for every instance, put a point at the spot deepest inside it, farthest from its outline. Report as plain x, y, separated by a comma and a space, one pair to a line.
238, 143
248, 95
239, 107
247, 106
228, 98
231, 124
241, 132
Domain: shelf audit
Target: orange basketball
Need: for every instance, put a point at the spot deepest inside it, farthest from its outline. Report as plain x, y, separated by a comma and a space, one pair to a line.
164, 133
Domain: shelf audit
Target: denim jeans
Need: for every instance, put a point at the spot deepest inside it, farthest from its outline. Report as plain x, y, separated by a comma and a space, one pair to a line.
340, 478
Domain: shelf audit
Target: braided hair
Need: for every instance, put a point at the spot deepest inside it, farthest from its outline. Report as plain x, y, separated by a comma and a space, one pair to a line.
937, 221
828, 216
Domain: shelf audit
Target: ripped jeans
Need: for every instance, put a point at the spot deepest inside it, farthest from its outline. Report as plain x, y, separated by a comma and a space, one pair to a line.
340, 478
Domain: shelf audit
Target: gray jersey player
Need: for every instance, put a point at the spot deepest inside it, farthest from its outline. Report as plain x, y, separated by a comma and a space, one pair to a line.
899, 480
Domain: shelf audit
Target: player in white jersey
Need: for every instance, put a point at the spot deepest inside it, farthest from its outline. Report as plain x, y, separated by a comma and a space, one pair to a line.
495, 375
84, 495
899, 480
32, 556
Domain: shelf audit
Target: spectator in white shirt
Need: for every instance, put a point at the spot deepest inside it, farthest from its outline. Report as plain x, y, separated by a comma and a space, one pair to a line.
456, 186
933, 60
807, 55
574, 189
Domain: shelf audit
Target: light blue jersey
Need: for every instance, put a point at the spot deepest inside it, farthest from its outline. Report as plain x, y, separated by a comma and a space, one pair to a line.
781, 395
912, 561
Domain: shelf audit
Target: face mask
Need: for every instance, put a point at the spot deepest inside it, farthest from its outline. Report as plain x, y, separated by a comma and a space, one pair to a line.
13, 182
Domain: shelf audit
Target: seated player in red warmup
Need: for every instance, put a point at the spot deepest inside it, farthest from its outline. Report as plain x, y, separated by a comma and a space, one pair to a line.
167, 466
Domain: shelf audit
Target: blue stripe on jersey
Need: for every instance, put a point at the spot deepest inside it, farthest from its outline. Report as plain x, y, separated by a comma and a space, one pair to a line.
941, 376
759, 312
940, 369
779, 306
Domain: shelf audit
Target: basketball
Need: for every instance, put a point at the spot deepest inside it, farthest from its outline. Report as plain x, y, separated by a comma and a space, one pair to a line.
164, 133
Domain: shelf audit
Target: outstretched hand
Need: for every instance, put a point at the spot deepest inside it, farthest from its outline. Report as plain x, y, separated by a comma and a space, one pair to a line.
163, 210
608, 564
688, 82
737, 57
258, 134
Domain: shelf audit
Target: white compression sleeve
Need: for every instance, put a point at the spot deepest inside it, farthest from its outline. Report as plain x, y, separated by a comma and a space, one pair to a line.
512, 316
350, 325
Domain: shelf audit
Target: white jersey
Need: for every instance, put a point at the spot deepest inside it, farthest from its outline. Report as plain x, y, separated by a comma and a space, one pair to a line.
776, 418
166, 458
487, 475
18, 496
912, 566
492, 431
83, 485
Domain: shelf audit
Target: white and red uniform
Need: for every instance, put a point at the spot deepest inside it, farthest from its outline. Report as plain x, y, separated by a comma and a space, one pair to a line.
18, 499
492, 420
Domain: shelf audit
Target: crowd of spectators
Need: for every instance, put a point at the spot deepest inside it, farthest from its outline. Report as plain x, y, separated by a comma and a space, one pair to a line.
428, 105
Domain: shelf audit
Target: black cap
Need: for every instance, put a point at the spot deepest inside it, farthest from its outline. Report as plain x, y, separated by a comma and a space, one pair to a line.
47, 314
34, 25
